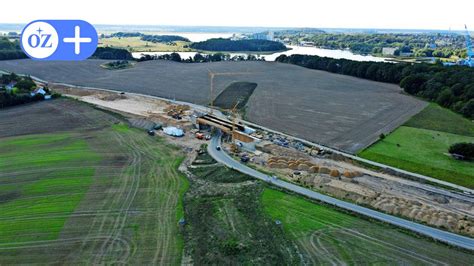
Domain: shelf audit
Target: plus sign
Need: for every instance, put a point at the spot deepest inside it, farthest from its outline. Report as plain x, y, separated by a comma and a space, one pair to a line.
77, 40
39, 31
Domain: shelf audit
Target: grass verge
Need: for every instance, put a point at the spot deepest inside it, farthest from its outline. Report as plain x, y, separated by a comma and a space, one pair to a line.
226, 223
422, 144
325, 235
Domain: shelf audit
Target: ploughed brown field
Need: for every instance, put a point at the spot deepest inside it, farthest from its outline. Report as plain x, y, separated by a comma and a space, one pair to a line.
343, 112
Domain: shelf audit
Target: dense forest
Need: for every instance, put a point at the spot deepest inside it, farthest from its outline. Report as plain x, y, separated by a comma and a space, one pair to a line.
150, 38
451, 87
125, 34
228, 45
10, 49
112, 54
422, 45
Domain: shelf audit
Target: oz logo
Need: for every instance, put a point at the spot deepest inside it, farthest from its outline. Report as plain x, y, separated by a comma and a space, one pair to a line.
59, 40
39, 40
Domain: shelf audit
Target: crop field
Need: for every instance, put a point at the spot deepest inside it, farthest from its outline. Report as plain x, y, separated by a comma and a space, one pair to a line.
339, 111
326, 236
236, 94
78, 186
39, 194
422, 144
134, 44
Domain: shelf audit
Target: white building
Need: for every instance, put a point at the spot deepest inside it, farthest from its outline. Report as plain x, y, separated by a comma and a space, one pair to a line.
389, 50
39, 90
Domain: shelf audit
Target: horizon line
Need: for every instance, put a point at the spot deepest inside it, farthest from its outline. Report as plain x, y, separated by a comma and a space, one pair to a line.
260, 27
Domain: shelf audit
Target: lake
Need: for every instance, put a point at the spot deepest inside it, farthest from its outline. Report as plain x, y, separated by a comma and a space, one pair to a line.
338, 54
202, 36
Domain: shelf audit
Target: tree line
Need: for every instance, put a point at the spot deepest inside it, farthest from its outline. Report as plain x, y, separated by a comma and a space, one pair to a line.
422, 45
464, 149
200, 58
10, 50
252, 45
451, 87
150, 38
110, 53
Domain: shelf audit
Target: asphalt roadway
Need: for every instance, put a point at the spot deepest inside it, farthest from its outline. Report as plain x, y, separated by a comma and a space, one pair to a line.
462, 196
437, 234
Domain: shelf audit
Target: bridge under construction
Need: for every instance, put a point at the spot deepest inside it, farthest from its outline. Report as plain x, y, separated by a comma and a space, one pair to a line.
238, 132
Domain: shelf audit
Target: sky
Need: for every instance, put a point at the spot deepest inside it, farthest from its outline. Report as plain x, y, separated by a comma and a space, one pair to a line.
398, 14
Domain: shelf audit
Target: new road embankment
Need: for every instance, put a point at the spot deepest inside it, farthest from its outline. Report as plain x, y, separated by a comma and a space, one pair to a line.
437, 234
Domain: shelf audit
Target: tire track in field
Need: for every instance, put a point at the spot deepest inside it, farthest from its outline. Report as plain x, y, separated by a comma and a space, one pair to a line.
100, 221
363, 237
163, 250
51, 243
130, 191
309, 254
163, 221
316, 243
372, 240
104, 241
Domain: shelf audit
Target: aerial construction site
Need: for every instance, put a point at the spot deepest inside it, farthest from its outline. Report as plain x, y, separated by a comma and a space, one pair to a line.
231, 145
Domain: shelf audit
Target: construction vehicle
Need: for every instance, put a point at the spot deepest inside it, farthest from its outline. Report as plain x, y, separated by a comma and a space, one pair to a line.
244, 158
176, 111
199, 135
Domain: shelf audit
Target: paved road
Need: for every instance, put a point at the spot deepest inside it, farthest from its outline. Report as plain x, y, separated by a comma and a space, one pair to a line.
443, 236
359, 159
470, 192
224, 158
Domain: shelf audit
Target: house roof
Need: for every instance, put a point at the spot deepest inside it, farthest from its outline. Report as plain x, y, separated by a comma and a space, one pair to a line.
11, 84
39, 90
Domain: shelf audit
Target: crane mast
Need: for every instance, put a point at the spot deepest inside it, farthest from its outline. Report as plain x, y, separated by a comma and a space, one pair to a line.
470, 53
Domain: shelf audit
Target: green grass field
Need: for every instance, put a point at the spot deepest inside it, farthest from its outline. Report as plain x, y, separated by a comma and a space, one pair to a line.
328, 236
422, 144
42, 195
224, 206
435, 117
99, 193
225, 222
134, 44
